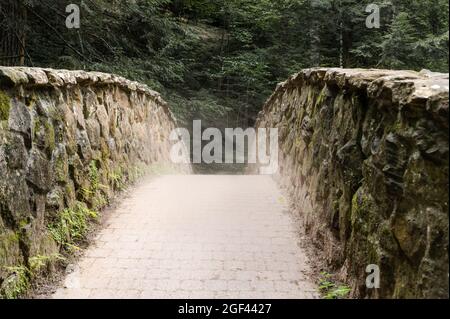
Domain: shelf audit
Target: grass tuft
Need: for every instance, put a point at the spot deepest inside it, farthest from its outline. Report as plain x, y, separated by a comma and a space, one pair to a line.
330, 289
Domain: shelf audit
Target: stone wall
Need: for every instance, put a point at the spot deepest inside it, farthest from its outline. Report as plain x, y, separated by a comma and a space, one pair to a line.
68, 138
364, 155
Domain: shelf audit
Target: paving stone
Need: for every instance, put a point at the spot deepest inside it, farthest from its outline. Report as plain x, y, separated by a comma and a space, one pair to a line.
196, 237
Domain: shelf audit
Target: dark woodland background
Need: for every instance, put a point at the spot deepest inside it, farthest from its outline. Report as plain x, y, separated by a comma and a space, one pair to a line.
218, 60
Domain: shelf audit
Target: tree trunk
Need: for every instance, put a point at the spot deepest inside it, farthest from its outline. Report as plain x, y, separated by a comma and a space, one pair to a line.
12, 33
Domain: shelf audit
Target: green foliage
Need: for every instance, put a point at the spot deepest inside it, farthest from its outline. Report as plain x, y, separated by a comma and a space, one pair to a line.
201, 105
94, 192
94, 177
399, 43
20, 278
330, 290
219, 60
37, 263
71, 225
16, 284
117, 179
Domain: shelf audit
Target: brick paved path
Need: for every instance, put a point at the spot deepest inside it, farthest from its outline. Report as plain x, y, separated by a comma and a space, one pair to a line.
196, 237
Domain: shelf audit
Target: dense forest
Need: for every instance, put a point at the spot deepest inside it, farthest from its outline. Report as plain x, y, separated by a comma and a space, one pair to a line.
218, 60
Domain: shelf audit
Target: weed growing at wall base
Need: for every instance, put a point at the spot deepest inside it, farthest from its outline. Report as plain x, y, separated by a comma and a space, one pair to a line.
71, 225
330, 289
20, 278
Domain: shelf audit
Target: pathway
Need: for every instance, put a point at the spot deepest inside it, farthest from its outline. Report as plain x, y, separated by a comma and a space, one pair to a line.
196, 236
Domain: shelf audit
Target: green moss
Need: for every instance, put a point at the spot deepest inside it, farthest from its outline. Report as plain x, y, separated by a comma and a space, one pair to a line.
36, 125
321, 97
5, 106
397, 127
104, 150
362, 205
8, 240
69, 194
23, 223
12, 238
44, 133
50, 136
310, 96
30, 100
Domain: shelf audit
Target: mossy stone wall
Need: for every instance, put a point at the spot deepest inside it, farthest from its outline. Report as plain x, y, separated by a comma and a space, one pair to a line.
364, 155
68, 138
